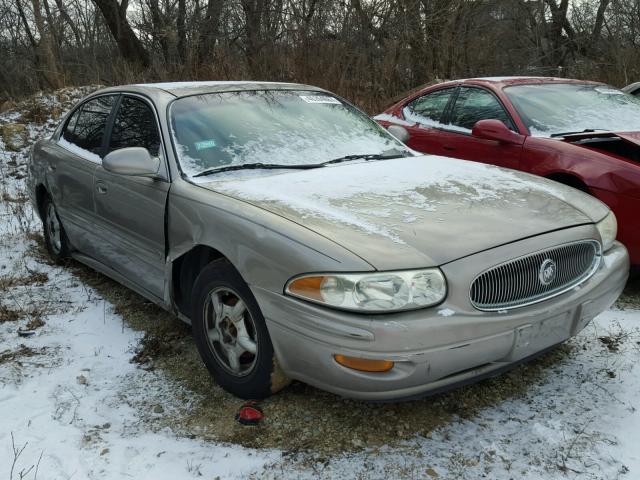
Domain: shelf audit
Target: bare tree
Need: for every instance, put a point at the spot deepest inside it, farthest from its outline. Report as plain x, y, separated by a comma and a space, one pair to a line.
367, 50
115, 16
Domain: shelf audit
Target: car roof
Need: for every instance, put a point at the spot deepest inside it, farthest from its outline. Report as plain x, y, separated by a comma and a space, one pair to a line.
515, 80
183, 89
632, 87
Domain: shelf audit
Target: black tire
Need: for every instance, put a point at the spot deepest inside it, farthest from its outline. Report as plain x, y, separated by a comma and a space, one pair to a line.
220, 332
55, 238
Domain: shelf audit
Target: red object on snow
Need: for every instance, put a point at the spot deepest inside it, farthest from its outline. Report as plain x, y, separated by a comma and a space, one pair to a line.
250, 413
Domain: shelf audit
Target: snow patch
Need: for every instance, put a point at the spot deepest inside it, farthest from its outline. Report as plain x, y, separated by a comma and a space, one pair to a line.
213, 83
385, 117
424, 122
339, 192
81, 152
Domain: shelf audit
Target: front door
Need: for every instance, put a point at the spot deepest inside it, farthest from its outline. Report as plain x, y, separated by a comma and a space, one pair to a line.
131, 210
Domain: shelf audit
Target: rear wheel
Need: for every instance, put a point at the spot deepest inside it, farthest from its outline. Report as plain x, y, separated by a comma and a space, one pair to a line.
54, 237
231, 335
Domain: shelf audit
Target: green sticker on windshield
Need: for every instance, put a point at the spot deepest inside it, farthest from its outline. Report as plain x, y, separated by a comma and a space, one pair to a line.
204, 144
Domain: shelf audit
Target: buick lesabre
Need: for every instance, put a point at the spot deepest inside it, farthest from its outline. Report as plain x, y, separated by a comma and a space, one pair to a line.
303, 241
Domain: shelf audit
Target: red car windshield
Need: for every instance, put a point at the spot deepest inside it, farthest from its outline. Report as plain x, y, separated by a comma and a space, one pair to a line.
551, 109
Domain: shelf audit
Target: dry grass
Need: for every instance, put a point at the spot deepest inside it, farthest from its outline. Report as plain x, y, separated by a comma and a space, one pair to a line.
33, 278
13, 356
9, 314
17, 199
630, 297
34, 311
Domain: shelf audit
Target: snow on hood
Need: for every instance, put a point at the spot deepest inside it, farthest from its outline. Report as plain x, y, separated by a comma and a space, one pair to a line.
424, 210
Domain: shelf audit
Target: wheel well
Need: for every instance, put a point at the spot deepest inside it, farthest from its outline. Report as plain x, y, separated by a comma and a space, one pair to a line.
41, 194
569, 180
186, 269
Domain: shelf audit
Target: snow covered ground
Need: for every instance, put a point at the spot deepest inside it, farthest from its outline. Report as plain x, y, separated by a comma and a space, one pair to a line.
73, 405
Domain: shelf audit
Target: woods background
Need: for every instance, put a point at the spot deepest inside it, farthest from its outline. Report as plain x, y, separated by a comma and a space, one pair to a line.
369, 51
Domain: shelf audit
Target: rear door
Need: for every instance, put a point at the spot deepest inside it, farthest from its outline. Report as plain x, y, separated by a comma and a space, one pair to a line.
131, 210
471, 105
71, 165
427, 113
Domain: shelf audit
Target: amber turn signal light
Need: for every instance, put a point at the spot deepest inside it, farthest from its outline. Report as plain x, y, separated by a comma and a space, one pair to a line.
364, 364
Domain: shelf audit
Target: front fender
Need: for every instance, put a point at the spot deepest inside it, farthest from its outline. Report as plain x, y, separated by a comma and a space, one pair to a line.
265, 248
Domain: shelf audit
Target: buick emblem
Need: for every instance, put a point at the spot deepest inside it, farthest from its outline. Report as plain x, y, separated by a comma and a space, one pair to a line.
547, 272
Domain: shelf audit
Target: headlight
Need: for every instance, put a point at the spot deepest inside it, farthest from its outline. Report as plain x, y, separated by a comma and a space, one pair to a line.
372, 292
608, 229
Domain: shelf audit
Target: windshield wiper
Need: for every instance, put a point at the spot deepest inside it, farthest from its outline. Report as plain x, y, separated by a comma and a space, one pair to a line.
586, 130
253, 166
369, 156
274, 166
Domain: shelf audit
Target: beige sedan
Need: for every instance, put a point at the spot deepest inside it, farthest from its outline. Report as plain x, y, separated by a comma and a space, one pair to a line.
303, 241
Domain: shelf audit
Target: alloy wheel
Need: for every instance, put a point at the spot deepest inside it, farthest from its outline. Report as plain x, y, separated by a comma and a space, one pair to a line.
54, 229
231, 331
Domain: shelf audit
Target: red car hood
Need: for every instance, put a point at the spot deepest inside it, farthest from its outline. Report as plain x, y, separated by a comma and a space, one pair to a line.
631, 137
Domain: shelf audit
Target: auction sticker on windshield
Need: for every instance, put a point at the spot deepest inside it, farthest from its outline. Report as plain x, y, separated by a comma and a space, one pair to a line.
204, 144
320, 99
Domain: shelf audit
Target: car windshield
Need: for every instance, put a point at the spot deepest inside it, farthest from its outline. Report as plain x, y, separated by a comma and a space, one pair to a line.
272, 127
555, 108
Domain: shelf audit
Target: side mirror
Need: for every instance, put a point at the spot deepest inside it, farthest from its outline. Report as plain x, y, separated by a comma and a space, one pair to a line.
399, 132
497, 131
132, 161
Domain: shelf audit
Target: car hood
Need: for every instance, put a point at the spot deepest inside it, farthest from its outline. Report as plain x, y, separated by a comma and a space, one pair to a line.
629, 137
417, 211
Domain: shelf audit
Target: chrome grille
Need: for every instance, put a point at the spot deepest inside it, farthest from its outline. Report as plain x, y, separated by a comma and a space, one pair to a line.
523, 281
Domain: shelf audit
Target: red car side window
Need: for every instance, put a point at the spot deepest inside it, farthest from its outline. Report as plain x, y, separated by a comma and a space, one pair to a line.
475, 104
429, 109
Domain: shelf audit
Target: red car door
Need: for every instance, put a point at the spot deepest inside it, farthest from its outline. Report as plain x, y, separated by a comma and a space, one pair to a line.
424, 116
471, 105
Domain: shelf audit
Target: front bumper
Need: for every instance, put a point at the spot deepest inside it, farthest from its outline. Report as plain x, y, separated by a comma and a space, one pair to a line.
433, 350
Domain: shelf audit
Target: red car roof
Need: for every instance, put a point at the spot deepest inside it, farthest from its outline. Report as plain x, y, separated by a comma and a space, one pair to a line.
504, 81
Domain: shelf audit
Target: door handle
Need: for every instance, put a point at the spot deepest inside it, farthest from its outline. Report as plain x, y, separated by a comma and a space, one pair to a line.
449, 148
101, 188
51, 168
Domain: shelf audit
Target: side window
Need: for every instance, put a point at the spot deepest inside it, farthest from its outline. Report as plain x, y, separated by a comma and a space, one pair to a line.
428, 109
135, 126
474, 104
86, 126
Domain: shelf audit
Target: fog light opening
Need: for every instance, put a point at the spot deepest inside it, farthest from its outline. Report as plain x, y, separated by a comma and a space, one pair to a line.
364, 364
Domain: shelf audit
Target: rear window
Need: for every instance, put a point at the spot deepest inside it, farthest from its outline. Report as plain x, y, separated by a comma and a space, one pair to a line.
429, 109
85, 130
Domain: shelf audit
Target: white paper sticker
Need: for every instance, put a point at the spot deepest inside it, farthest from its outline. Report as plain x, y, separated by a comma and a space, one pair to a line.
608, 91
320, 99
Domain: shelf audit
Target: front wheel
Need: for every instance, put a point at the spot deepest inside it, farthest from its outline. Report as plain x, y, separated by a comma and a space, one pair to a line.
231, 335
55, 238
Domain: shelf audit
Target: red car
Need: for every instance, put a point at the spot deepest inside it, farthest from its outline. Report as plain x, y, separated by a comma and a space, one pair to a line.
583, 134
